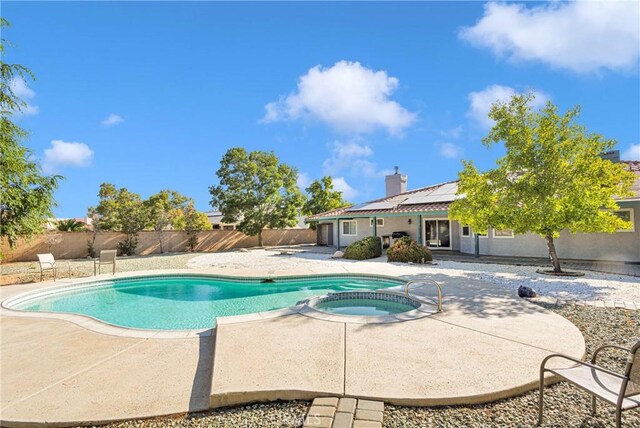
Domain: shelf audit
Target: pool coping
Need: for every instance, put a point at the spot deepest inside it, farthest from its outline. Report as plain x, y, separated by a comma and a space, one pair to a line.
103, 327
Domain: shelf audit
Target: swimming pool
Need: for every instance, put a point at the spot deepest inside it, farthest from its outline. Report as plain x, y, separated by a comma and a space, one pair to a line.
186, 302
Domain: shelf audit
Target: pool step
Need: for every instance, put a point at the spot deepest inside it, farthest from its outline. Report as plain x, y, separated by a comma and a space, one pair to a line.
334, 412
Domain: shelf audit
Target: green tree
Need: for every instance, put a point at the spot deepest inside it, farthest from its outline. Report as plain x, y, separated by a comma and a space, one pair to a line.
551, 178
257, 191
123, 211
192, 221
26, 195
70, 225
162, 208
322, 198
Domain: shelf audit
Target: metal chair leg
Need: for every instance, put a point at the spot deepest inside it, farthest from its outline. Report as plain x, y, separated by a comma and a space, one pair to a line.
541, 399
618, 417
593, 405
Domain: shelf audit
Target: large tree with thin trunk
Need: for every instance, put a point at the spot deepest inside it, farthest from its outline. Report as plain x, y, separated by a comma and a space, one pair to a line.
123, 211
257, 191
26, 195
552, 177
163, 209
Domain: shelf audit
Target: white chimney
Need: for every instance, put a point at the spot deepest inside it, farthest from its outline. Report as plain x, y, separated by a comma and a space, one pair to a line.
395, 183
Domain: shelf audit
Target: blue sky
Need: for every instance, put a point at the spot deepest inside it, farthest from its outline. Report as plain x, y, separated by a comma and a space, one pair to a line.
150, 95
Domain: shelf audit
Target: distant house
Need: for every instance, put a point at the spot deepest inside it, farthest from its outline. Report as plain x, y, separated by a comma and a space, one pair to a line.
423, 214
215, 218
52, 223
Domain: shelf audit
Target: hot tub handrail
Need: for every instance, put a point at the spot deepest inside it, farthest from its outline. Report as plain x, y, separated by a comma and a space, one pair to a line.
416, 281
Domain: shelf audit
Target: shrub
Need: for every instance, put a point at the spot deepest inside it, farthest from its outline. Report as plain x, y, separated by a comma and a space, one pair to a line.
407, 250
128, 246
367, 248
192, 241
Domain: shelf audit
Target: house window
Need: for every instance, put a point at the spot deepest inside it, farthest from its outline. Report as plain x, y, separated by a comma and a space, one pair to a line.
228, 227
379, 222
504, 233
465, 230
349, 228
626, 214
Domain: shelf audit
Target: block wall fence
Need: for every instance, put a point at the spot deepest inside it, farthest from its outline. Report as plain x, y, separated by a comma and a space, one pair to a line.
74, 244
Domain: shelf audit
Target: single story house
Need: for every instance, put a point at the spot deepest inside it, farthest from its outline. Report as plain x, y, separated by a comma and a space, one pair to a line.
215, 218
423, 214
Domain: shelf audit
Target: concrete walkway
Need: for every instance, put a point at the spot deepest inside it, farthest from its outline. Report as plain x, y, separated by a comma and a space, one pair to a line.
486, 345
59, 372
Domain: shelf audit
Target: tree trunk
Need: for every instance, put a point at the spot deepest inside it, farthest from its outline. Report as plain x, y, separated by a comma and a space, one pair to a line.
260, 239
160, 238
553, 256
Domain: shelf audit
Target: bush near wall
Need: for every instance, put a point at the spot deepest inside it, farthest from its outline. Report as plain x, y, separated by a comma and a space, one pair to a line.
406, 250
367, 248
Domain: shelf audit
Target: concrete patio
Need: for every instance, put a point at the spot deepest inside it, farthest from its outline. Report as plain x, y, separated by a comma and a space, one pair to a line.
486, 344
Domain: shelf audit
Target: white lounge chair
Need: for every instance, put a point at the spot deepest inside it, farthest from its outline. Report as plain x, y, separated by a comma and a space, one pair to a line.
621, 390
47, 262
107, 257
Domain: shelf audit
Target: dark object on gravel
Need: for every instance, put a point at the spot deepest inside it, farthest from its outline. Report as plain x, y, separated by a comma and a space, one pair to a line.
526, 292
407, 250
366, 248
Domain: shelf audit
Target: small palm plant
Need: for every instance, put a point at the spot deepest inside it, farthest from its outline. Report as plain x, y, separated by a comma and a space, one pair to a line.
71, 225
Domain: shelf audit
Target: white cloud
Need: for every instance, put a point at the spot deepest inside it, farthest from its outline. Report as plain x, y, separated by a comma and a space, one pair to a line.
351, 156
480, 102
303, 180
450, 150
632, 153
112, 119
583, 36
340, 184
343, 155
22, 90
347, 97
453, 132
66, 153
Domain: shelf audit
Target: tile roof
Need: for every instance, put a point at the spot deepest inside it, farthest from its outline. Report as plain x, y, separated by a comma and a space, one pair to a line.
425, 199
412, 201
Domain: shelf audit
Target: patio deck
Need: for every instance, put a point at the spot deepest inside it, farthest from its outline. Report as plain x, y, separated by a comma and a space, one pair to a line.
57, 372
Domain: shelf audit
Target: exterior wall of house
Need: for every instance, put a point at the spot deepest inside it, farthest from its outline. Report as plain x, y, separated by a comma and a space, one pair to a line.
619, 246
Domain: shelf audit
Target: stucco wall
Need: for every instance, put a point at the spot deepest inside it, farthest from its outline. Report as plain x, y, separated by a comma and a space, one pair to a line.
619, 246
74, 244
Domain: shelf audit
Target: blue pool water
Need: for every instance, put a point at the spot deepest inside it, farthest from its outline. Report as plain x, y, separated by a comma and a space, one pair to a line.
363, 307
190, 302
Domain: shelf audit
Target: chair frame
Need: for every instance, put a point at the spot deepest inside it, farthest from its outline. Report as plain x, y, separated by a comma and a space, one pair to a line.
52, 266
97, 263
625, 379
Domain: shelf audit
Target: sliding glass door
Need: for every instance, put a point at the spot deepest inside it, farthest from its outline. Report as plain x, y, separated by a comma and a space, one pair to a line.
437, 233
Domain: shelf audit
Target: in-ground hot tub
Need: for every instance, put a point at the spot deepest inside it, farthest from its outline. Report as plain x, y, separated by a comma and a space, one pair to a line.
365, 303
367, 307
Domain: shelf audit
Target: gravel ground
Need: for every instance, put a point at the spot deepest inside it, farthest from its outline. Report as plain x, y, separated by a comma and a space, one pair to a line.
565, 406
22, 272
279, 414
